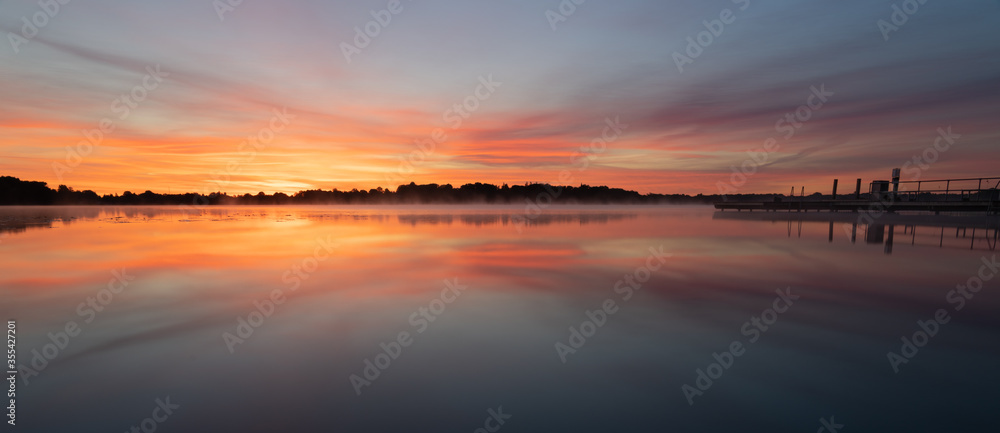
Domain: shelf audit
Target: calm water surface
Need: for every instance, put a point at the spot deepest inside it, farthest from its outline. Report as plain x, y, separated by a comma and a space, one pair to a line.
255, 319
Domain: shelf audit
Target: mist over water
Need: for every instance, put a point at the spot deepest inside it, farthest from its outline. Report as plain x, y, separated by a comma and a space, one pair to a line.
486, 295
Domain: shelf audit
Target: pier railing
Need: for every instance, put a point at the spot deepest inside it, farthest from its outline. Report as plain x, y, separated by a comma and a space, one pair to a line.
966, 190
979, 194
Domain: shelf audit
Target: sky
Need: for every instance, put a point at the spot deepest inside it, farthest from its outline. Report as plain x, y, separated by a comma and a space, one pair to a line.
247, 96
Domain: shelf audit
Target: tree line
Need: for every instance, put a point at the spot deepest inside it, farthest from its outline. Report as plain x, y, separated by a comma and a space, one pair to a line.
14, 191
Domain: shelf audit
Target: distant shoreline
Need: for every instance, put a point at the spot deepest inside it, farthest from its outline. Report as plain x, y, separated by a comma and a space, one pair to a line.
16, 192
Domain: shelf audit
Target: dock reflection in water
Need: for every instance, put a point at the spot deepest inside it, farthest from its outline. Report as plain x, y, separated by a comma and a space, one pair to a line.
972, 232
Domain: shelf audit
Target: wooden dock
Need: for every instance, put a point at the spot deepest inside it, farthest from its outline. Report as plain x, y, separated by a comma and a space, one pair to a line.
861, 205
971, 195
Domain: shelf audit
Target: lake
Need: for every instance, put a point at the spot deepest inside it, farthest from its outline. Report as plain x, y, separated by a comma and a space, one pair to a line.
458, 318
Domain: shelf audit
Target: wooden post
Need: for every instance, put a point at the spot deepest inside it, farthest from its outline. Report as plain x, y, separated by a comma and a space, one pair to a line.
835, 188
888, 240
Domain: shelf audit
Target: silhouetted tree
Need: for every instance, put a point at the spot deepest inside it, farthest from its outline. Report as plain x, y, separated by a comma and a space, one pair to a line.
14, 191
